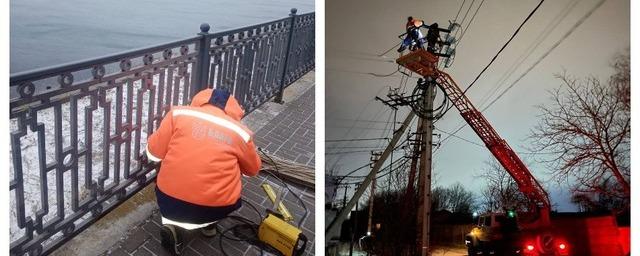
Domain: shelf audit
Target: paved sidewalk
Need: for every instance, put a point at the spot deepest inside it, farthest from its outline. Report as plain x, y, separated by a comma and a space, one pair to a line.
289, 135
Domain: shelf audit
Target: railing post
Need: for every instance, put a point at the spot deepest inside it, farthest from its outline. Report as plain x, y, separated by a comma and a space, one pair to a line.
278, 98
203, 61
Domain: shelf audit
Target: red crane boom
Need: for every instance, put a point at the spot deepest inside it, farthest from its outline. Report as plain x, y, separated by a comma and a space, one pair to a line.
424, 63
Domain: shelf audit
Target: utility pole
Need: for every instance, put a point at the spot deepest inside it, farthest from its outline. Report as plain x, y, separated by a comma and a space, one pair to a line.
344, 198
375, 156
373, 191
395, 113
354, 228
333, 225
426, 131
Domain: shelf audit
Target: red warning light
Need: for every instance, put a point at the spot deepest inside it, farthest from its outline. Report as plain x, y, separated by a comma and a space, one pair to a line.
562, 246
530, 247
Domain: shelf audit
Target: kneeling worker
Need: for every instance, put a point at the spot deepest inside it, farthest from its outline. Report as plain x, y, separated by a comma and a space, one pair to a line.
204, 149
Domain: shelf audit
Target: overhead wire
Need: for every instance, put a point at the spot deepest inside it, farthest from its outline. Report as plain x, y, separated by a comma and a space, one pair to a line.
555, 45
492, 60
460, 9
400, 166
564, 37
346, 147
464, 32
360, 128
354, 123
465, 16
401, 144
351, 176
503, 47
484, 146
353, 152
357, 139
542, 36
340, 178
461, 138
386, 128
360, 121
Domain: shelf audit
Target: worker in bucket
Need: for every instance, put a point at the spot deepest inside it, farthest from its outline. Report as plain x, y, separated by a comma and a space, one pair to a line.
433, 38
203, 149
413, 34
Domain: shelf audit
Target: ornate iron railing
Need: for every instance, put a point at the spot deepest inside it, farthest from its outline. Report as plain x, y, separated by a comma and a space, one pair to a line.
77, 130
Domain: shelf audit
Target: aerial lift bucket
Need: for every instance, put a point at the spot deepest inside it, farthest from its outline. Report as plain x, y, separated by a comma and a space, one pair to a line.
420, 61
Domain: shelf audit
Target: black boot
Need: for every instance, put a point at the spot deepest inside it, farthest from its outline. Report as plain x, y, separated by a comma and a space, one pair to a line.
402, 48
171, 239
209, 231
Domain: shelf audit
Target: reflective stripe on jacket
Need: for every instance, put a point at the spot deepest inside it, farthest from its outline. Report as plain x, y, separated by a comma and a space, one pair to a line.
204, 149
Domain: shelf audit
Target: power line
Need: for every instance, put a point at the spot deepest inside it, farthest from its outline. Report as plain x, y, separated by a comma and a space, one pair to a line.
350, 152
565, 36
361, 128
360, 121
400, 166
365, 151
465, 15
496, 56
354, 123
470, 22
461, 138
363, 73
386, 128
351, 176
353, 152
372, 147
551, 26
361, 139
504, 46
453, 133
483, 146
456, 18
352, 172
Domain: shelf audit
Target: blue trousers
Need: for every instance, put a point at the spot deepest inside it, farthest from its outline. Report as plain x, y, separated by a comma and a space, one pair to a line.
182, 211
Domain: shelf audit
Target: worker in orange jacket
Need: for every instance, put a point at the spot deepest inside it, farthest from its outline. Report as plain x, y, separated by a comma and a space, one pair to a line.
204, 149
413, 34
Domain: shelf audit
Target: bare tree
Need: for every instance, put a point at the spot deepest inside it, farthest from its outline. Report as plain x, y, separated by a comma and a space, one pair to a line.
621, 80
591, 202
454, 198
501, 191
586, 129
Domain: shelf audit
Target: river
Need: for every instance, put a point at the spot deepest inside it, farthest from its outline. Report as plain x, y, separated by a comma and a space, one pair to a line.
46, 32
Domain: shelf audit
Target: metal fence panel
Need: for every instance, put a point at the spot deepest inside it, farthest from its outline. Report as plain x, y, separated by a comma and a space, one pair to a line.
77, 130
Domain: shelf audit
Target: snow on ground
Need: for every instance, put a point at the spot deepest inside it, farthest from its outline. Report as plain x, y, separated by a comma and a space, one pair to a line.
33, 187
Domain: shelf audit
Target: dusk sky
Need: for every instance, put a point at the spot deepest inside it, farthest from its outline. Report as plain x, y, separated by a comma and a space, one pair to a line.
357, 31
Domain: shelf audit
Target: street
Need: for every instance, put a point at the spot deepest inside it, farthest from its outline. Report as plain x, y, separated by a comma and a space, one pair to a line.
449, 251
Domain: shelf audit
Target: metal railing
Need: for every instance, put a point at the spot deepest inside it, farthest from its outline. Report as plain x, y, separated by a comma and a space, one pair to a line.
77, 130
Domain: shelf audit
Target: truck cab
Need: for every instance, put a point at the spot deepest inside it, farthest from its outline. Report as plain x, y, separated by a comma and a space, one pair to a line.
500, 234
490, 229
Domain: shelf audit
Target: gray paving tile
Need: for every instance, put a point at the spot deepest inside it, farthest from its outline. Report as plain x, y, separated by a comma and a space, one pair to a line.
142, 252
135, 239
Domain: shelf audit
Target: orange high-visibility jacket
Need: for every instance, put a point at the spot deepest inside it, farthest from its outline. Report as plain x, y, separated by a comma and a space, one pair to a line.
204, 149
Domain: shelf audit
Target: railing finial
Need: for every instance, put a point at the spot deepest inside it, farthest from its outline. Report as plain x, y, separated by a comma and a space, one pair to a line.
293, 11
204, 28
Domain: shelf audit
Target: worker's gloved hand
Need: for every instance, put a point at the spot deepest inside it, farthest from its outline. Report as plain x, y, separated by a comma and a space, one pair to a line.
144, 160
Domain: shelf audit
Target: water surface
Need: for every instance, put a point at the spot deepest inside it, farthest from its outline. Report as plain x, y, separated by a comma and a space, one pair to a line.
46, 32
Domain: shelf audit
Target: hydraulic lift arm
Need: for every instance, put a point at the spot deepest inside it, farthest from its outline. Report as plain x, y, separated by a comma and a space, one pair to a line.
424, 63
